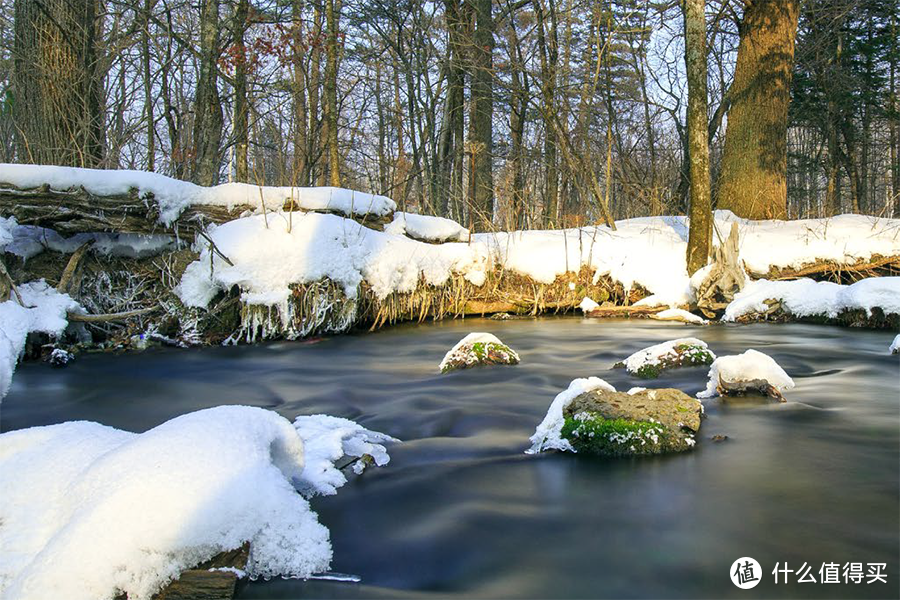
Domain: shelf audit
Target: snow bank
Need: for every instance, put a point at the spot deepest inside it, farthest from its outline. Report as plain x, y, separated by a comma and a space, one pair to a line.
44, 311
547, 436
752, 365
805, 297
271, 253
655, 355
424, 227
89, 511
173, 195
329, 439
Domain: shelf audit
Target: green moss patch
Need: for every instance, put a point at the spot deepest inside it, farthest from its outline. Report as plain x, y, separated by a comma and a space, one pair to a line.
592, 433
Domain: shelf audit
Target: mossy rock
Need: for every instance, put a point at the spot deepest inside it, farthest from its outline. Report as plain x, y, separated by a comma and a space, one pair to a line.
688, 354
616, 424
476, 350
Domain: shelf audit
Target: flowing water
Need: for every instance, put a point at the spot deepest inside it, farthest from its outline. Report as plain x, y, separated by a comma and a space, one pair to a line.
461, 511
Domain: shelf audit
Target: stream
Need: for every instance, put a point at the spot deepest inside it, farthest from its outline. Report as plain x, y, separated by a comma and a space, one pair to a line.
461, 511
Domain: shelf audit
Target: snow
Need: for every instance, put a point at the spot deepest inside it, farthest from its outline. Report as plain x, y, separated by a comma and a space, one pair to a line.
678, 314
895, 345
749, 366
654, 354
427, 228
547, 435
805, 297
89, 511
43, 309
587, 305
173, 196
473, 338
272, 253
328, 439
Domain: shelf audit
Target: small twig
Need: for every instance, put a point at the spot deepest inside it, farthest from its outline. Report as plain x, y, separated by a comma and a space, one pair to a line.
102, 318
215, 248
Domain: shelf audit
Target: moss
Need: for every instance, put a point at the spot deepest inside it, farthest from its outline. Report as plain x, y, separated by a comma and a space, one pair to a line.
694, 355
593, 434
648, 371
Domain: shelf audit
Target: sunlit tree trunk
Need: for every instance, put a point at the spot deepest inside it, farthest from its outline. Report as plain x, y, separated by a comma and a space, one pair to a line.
481, 187
241, 117
754, 163
699, 237
208, 119
332, 21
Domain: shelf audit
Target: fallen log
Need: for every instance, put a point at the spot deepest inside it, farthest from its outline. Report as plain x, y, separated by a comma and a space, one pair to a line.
624, 311
77, 210
876, 266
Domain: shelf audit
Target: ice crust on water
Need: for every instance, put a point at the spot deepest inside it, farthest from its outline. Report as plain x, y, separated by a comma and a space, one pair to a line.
89, 511
749, 366
547, 435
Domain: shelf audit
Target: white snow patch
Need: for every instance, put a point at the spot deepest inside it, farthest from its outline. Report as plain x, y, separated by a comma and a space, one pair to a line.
749, 366
805, 297
895, 345
89, 511
547, 435
327, 440
653, 355
428, 228
587, 305
44, 311
173, 195
678, 314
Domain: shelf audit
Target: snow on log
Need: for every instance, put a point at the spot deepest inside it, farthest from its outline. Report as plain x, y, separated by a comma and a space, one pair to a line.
74, 200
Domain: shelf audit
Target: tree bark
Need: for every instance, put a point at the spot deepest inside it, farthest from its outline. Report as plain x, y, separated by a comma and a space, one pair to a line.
332, 23
300, 174
753, 181
208, 118
241, 109
481, 187
56, 86
699, 237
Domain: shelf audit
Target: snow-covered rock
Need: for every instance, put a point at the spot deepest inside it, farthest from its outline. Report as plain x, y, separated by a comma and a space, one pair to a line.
587, 305
895, 345
548, 435
683, 352
591, 417
427, 228
478, 349
751, 371
805, 297
90, 512
43, 309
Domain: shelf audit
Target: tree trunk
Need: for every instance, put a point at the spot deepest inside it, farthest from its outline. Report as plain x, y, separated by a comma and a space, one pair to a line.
548, 48
298, 97
148, 85
332, 21
208, 118
753, 181
241, 119
699, 238
481, 187
895, 117
57, 111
